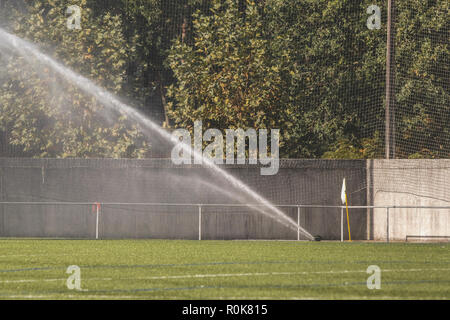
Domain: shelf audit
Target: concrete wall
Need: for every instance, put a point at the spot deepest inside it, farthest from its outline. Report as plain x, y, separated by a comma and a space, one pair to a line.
372, 182
156, 180
409, 183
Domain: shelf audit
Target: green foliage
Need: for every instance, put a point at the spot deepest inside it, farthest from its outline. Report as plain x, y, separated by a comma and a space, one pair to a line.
369, 148
235, 73
314, 70
337, 63
423, 94
344, 150
47, 116
310, 68
253, 69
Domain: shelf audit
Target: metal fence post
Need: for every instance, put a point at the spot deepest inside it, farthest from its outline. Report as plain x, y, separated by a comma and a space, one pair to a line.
342, 224
199, 222
387, 224
97, 205
298, 223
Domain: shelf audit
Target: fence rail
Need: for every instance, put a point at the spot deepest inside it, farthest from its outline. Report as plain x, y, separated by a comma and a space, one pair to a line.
98, 205
221, 205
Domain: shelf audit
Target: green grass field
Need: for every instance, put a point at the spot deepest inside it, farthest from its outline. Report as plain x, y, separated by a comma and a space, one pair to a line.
170, 269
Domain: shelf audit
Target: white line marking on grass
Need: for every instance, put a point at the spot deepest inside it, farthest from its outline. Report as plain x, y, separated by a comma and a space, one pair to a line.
227, 275
44, 255
51, 280
30, 280
272, 274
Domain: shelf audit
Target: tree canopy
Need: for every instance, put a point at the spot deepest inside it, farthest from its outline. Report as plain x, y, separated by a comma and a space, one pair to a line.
309, 68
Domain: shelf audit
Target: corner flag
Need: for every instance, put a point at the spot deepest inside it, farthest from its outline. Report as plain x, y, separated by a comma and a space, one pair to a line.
344, 200
343, 192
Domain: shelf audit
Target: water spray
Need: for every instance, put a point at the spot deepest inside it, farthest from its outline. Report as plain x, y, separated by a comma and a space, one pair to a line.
109, 100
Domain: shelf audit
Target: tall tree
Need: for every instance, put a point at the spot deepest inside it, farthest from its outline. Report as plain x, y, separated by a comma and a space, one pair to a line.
234, 72
423, 79
49, 117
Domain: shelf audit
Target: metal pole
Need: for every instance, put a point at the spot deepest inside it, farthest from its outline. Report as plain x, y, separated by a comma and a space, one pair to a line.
96, 223
387, 224
342, 224
199, 222
298, 223
2, 211
390, 111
